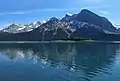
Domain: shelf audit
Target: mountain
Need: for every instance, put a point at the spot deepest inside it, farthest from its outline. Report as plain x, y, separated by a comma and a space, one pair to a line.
19, 28
86, 24
56, 29
91, 18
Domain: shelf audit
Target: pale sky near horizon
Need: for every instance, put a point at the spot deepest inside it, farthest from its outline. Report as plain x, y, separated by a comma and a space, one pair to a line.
26, 11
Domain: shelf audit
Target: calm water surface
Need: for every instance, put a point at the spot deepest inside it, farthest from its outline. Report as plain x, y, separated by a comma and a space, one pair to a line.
60, 62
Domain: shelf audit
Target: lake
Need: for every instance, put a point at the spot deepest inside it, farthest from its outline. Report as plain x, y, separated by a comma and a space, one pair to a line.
59, 62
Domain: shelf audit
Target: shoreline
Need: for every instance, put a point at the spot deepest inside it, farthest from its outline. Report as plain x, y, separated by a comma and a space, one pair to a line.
61, 41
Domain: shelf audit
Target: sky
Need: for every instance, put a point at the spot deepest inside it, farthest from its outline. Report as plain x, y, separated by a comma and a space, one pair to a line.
26, 11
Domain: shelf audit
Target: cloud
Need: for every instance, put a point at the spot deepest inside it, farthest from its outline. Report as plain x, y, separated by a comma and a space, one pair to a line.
97, 7
103, 12
39, 10
54, 10
93, 1
12, 13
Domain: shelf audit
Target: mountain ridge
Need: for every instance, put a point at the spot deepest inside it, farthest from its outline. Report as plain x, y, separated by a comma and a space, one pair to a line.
85, 24
19, 28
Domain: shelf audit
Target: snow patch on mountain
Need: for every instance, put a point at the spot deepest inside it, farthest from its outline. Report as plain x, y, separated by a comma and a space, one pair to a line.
43, 21
69, 14
117, 26
19, 28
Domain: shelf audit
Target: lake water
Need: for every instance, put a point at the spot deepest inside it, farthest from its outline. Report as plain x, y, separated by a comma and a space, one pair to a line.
60, 62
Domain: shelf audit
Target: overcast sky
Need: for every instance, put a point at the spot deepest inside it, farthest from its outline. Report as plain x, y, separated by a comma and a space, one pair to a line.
25, 11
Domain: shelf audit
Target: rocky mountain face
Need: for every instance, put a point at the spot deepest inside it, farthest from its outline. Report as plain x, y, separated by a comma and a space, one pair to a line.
86, 24
91, 18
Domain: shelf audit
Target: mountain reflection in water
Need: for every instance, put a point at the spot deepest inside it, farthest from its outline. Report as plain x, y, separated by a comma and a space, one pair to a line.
59, 62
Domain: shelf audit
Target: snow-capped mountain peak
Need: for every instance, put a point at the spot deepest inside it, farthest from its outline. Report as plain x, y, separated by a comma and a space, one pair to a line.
69, 14
18, 28
43, 22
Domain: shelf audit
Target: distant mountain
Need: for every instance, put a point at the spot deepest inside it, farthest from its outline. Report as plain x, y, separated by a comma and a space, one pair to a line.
19, 28
86, 24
